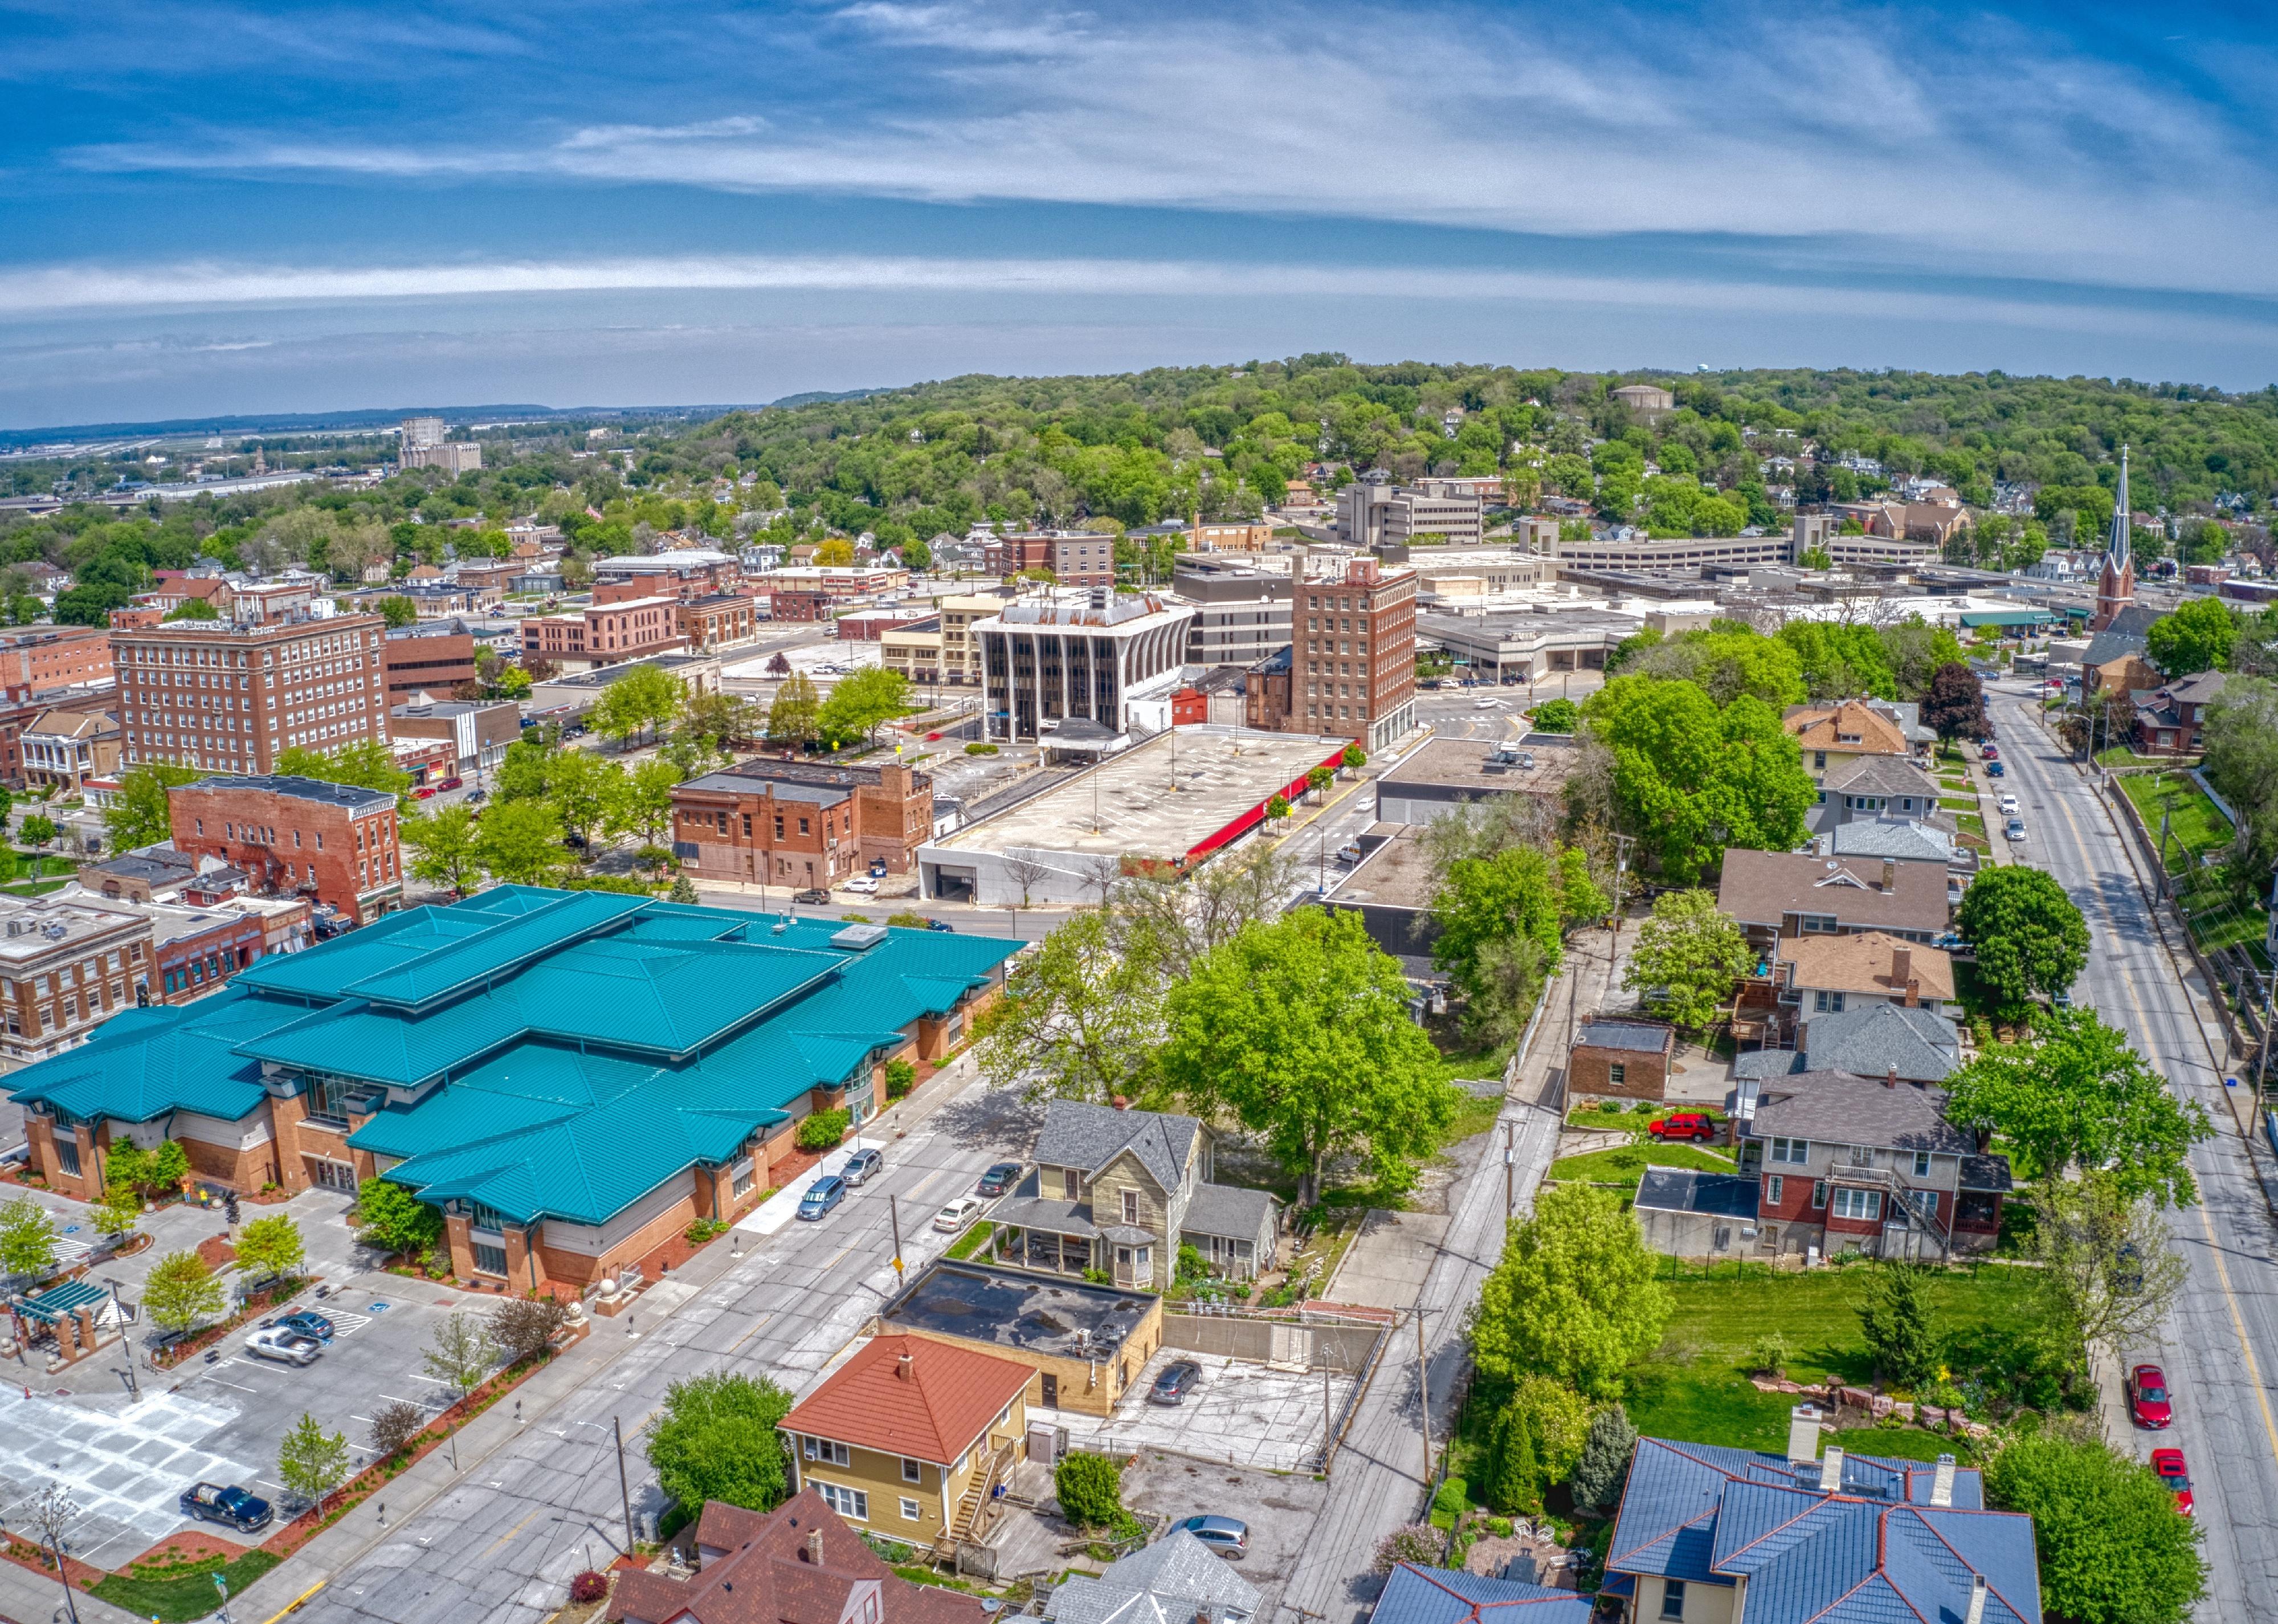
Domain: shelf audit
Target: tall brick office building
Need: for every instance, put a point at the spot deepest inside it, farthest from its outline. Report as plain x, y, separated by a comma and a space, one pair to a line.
333, 842
800, 824
1352, 652
230, 699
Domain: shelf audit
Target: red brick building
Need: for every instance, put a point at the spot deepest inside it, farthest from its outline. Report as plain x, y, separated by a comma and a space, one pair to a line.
432, 657
800, 824
606, 633
231, 699
333, 842
722, 617
35, 660
1352, 651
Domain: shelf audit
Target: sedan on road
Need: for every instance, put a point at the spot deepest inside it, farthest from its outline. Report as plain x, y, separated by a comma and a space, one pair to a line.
821, 1196
2147, 1397
998, 1179
958, 1213
2009, 807
240, 1509
2169, 1463
1176, 1382
286, 1347
2014, 829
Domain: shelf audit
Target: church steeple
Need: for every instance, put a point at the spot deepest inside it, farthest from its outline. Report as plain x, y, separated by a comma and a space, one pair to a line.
2117, 589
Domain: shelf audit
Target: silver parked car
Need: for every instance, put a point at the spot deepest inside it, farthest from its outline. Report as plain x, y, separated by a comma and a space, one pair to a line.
288, 1347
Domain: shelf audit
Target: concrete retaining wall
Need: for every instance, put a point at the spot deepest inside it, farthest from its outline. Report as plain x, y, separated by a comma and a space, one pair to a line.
1342, 1348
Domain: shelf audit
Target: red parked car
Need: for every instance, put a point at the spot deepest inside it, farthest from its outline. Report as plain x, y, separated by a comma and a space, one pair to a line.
2169, 1463
1697, 1125
2147, 1397
1992, 753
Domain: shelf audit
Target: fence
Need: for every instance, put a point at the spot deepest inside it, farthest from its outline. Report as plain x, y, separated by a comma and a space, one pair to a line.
1343, 1346
2224, 988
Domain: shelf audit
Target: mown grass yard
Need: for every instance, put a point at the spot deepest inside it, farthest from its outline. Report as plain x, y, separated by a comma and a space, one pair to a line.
1695, 1388
1626, 1164
2194, 824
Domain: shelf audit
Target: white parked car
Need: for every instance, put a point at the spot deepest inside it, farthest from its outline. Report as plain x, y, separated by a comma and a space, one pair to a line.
2008, 806
958, 1213
863, 884
287, 1347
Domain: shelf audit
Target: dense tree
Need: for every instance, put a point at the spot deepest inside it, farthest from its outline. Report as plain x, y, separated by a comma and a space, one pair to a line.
1082, 1017
1506, 912
794, 715
1954, 706
1689, 958
1728, 661
179, 1291
1915, 650
1574, 1296
2081, 1097
1689, 780
398, 610
2028, 936
28, 1237
715, 1439
2241, 739
395, 1219
367, 763
2197, 636
1558, 715
1894, 1315
1605, 1464
268, 1247
137, 815
1841, 662
2112, 1550
1090, 1489
520, 841
1299, 1028
860, 701
442, 847
639, 703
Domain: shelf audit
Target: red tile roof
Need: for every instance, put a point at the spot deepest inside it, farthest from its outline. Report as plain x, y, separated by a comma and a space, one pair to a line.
933, 1408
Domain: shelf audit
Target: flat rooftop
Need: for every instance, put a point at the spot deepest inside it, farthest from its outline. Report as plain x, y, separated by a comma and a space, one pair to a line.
1468, 765
1397, 874
1011, 1308
1160, 800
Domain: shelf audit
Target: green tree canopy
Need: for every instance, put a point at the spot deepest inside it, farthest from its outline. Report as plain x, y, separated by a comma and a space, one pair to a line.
1688, 957
1574, 1296
1558, 715
442, 847
1299, 1028
642, 700
520, 841
1689, 780
395, 1219
793, 717
1841, 662
715, 1439
138, 815
367, 763
28, 1237
270, 1246
862, 700
2028, 936
2081, 1097
2197, 636
179, 1291
2112, 1549
1082, 1017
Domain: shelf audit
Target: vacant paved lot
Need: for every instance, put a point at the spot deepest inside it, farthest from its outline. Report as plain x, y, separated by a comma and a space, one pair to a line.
1278, 1507
1241, 1414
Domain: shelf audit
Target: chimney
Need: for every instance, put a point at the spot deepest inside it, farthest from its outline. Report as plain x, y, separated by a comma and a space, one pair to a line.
1941, 1488
1831, 1471
1976, 1614
1891, 1077
1803, 1434
814, 1546
903, 1367
1902, 965
1890, 874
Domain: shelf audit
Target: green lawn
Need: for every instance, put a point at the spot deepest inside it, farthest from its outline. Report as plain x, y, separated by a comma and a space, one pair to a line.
1472, 1064
2194, 825
973, 1240
1969, 822
1696, 1387
1627, 1164
1613, 1118
185, 1591
2120, 756
1958, 803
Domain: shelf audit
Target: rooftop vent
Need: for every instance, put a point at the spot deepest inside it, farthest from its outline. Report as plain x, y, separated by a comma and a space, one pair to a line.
856, 938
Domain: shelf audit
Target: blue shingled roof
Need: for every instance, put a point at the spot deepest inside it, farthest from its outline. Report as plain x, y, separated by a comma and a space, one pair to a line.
1416, 1595
596, 1045
1875, 1550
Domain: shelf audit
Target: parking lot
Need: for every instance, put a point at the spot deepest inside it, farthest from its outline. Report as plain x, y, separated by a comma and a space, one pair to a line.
126, 1460
1280, 1510
1242, 1414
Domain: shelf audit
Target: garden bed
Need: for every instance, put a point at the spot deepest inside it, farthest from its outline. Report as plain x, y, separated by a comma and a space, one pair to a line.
177, 1591
252, 1306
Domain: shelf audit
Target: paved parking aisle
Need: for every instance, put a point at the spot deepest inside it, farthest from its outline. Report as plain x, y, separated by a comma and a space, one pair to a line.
125, 1464
1241, 1414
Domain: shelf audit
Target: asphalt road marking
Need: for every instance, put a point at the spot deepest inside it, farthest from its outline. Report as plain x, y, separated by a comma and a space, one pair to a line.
528, 1519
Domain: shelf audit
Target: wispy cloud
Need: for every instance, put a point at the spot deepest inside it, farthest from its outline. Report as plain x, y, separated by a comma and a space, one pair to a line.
64, 289
1930, 141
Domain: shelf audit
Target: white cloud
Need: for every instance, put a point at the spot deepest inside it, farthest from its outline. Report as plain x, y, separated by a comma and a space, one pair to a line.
62, 289
1969, 143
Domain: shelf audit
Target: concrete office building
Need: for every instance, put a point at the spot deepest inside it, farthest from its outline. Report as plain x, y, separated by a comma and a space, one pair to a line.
231, 699
1371, 516
1242, 607
1045, 660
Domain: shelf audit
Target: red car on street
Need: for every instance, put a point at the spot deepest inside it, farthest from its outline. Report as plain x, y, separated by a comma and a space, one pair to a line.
1990, 752
1697, 1125
2169, 1463
2147, 1397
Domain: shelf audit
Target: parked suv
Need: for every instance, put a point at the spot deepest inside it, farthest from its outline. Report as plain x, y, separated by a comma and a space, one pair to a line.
1696, 1125
821, 1196
863, 1165
812, 898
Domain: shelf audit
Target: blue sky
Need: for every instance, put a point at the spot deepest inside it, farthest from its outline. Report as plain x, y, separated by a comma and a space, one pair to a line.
221, 208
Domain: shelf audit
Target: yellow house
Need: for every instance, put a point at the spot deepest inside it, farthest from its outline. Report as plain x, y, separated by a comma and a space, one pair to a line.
908, 1438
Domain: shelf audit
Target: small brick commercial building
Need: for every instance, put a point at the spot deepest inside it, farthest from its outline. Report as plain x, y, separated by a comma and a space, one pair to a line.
1621, 1059
334, 842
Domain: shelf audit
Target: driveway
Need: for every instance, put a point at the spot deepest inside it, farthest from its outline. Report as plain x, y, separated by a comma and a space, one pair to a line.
1241, 1414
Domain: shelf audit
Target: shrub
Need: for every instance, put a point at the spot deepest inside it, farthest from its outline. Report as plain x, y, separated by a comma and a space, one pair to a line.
1559, 1418
717, 1438
395, 1219
704, 1230
1449, 1504
900, 1076
1769, 1355
1090, 1489
821, 1130
588, 1587
1598, 1476
1418, 1542
978, 748
394, 1426
522, 1326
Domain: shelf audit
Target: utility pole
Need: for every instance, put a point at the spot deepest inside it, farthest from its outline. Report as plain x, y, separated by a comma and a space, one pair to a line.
1509, 1173
1621, 868
894, 1217
624, 1491
1424, 1393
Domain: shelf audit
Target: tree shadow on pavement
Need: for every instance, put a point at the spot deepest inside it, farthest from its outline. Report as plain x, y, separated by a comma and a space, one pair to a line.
991, 1119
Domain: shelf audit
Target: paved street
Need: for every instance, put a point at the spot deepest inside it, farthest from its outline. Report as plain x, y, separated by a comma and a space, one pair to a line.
2220, 1350
1377, 1482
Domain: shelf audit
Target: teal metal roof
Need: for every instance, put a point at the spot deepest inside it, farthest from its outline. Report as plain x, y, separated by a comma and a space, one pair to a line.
2004, 617
59, 1301
597, 1044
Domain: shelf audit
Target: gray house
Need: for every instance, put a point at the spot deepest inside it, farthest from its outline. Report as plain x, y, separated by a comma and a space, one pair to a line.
1120, 1190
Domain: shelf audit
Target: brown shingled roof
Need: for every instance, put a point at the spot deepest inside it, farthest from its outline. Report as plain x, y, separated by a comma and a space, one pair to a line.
1761, 888
1863, 963
931, 1408
1850, 725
